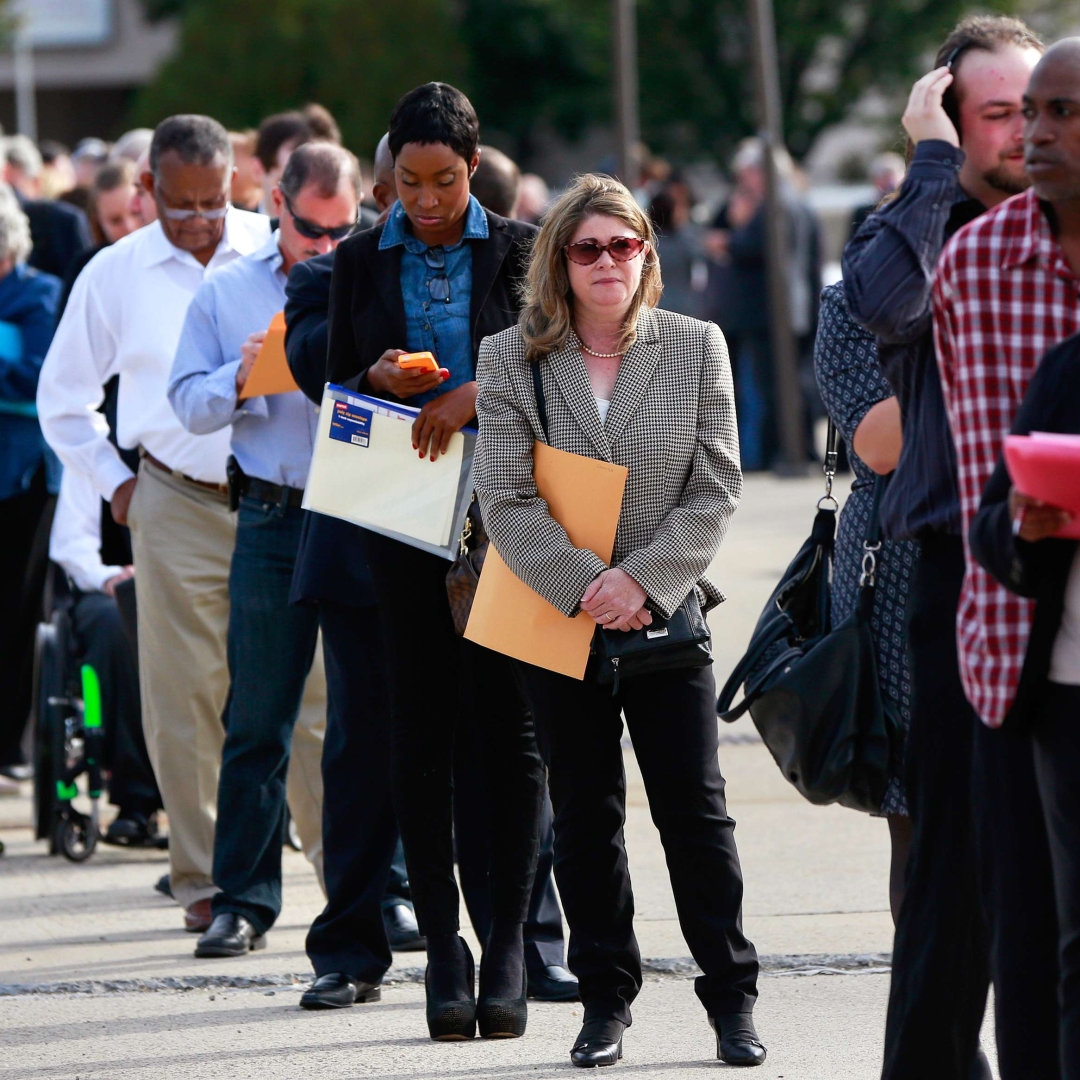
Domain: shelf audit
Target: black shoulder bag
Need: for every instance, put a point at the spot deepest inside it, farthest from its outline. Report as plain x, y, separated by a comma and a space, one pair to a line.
812, 689
665, 644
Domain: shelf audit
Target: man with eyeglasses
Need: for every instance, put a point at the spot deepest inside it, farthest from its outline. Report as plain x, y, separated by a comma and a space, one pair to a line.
271, 643
124, 318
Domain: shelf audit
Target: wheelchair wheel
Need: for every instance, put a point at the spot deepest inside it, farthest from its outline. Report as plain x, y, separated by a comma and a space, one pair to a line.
75, 836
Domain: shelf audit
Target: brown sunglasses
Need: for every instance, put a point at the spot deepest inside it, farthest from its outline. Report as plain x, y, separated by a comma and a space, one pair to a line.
621, 249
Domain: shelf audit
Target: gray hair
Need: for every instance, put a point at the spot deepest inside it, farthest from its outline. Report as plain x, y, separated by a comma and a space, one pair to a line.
198, 140
132, 145
15, 243
325, 165
20, 151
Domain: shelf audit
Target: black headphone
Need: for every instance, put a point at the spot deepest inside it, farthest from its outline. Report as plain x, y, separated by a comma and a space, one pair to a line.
950, 102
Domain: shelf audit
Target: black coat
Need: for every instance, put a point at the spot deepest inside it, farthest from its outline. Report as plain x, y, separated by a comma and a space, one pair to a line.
1039, 571
59, 232
367, 317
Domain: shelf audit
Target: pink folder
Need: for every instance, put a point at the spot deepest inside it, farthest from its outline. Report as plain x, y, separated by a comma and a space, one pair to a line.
1047, 466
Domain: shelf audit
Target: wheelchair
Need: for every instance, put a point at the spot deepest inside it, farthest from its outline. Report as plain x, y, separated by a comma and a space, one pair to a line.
68, 740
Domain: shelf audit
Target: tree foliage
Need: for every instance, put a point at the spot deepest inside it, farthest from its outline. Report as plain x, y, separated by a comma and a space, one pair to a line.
529, 64
240, 60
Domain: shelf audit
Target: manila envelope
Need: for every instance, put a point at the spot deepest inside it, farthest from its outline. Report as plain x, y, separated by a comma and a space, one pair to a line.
270, 373
584, 496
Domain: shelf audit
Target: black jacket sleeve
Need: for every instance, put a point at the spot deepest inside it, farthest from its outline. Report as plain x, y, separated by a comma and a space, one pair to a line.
307, 298
1050, 404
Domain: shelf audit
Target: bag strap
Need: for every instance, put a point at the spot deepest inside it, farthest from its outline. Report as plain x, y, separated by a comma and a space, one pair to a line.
828, 467
872, 540
541, 403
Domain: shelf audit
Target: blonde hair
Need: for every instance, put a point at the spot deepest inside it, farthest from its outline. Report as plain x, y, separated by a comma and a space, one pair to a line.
546, 319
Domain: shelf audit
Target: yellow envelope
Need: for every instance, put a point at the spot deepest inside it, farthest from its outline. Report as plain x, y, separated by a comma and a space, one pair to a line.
584, 496
270, 373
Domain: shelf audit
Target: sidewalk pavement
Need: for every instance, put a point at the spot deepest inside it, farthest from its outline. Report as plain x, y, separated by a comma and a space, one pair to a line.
98, 981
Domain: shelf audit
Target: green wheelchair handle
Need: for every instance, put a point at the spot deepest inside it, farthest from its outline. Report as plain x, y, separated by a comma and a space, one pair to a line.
91, 692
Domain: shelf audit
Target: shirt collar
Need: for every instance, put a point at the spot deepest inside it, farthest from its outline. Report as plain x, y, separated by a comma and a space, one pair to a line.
1032, 238
238, 236
395, 231
270, 252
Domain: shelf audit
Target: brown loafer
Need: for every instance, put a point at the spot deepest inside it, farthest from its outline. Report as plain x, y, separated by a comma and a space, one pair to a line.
198, 917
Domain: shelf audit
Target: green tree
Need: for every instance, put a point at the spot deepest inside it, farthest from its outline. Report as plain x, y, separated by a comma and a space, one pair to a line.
240, 60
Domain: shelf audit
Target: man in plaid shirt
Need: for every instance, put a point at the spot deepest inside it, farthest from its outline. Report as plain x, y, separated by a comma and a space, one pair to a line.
1005, 291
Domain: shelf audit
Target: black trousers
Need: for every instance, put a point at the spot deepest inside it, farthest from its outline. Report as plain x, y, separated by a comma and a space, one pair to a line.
1057, 767
1017, 887
436, 677
359, 830
940, 966
672, 721
24, 559
473, 815
106, 646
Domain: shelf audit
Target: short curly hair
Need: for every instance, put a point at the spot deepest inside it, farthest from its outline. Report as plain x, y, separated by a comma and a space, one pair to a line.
15, 242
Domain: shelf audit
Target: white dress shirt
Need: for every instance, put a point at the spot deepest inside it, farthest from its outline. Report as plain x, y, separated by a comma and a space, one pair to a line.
1065, 657
124, 317
75, 540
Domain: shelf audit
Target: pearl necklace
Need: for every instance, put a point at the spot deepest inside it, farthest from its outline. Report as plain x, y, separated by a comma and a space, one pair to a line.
593, 352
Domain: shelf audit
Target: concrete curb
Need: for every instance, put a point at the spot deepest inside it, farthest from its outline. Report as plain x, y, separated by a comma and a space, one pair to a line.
679, 967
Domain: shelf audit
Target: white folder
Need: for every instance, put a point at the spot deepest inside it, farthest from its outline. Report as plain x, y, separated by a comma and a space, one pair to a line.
364, 470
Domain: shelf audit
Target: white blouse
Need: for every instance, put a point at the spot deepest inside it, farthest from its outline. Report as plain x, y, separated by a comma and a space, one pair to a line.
1065, 659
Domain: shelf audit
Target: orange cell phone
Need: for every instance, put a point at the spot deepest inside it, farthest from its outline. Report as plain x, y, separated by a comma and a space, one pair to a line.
422, 361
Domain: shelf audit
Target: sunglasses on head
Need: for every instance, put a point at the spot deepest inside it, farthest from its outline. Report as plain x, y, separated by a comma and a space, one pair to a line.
316, 232
620, 248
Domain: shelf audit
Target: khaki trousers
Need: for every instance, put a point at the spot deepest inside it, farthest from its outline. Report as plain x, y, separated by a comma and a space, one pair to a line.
182, 539
304, 785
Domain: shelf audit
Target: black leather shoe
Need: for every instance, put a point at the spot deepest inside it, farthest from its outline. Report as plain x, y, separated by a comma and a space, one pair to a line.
737, 1041
450, 1016
163, 886
553, 983
230, 935
599, 1043
338, 991
401, 929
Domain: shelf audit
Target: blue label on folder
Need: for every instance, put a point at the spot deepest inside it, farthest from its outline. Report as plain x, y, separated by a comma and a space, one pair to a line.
350, 424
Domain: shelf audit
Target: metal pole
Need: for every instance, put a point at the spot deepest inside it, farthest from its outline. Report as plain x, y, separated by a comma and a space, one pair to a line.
785, 358
25, 89
624, 41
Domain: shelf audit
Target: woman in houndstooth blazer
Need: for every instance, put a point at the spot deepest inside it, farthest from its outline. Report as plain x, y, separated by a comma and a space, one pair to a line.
651, 390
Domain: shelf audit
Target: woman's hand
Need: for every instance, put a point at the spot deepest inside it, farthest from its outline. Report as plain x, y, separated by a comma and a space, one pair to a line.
385, 376
439, 419
1034, 520
615, 601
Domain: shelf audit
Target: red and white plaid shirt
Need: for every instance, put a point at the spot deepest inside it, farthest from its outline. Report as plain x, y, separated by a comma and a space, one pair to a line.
1003, 295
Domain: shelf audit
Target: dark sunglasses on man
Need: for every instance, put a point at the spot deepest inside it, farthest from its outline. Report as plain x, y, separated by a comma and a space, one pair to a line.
317, 232
620, 248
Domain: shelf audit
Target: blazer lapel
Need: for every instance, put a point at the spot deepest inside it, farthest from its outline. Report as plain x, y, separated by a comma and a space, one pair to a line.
635, 373
487, 259
573, 380
386, 271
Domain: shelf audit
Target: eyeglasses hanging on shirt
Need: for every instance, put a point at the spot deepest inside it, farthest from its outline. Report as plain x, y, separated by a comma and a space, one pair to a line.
439, 285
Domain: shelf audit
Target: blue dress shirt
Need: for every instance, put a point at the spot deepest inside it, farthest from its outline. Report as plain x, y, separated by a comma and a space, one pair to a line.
272, 436
28, 301
431, 325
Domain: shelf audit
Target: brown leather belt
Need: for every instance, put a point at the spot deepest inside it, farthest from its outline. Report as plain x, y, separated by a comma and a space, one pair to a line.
207, 485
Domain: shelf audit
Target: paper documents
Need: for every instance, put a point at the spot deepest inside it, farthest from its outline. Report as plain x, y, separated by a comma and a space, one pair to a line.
270, 373
584, 496
1047, 467
364, 470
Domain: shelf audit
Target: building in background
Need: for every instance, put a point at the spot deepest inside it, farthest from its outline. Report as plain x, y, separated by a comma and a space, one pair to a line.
89, 57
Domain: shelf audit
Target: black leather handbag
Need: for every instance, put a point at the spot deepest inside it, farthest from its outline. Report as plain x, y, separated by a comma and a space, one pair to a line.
664, 645
811, 688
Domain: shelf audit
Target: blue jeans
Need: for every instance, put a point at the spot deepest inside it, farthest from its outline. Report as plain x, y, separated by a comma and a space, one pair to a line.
271, 645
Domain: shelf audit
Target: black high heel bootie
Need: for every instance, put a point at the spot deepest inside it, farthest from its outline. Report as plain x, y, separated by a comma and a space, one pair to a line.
449, 980
737, 1041
500, 1012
